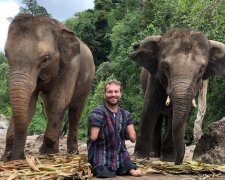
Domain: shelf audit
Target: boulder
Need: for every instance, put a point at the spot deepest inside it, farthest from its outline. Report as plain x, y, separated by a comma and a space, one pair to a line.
211, 146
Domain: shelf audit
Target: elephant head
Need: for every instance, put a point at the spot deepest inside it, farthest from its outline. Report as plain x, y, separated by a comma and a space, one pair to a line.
39, 51
179, 61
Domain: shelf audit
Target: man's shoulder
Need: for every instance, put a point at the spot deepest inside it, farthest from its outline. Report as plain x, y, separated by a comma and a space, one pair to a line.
124, 111
98, 109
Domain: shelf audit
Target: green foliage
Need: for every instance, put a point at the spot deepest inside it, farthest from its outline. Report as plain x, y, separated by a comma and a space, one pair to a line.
2, 58
164, 13
215, 101
31, 7
104, 70
38, 123
94, 99
4, 97
92, 27
130, 21
103, 5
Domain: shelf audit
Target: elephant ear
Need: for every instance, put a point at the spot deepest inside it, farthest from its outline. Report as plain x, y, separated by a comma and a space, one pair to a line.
70, 46
145, 53
216, 64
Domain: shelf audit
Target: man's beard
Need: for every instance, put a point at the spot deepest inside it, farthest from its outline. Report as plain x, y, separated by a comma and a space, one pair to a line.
112, 103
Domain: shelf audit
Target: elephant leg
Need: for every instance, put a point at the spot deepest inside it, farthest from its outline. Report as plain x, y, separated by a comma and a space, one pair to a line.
75, 113
167, 150
74, 119
50, 143
9, 141
149, 134
10, 148
156, 138
142, 146
57, 100
149, 138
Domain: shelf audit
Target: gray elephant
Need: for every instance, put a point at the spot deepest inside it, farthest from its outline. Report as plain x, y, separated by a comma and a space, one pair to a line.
45, 58
174, 67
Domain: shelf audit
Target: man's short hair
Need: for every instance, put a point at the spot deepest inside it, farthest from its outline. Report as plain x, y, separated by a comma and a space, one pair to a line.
113, 81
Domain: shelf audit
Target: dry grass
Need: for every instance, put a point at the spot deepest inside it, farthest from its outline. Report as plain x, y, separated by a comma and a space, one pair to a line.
62, 166
56, 166
188, 167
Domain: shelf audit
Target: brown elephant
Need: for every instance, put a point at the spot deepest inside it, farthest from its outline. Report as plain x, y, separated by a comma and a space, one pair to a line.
45, 58
174, 67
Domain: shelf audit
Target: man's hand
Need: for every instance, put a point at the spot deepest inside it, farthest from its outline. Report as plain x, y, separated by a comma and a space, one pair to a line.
131, 133
94, 133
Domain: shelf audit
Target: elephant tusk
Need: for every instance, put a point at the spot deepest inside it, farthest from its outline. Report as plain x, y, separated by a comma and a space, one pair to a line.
168, 101
194, 103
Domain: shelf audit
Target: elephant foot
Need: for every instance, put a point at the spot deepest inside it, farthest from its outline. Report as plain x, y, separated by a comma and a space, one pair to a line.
167, 154
147, 155
154, 154
49, 146
144, 150
180, 156
10, 156
141, 151
72, 149
138, 155
48, 150
141, 154
167, 157
8, 149
179, 160
74, 152
5, 157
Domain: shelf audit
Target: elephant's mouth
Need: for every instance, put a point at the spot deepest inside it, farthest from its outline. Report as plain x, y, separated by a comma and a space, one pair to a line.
168, 102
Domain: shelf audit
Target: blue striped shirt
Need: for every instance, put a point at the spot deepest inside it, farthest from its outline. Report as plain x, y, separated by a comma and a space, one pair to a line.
109, 148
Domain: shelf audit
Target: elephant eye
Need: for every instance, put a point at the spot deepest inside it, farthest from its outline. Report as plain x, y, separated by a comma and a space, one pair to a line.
166, 67
45, 61
202, 69
46, 58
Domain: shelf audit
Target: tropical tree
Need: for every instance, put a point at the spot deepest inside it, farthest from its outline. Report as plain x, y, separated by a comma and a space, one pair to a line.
4, 98
31, 7
114, 26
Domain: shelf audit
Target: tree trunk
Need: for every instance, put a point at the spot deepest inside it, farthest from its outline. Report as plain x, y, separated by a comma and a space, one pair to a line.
201, 111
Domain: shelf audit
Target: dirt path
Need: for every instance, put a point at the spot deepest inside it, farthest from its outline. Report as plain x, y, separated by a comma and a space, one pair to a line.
34, 142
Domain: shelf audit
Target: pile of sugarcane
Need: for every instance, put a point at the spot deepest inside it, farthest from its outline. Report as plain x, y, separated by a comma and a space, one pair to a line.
62, 166
189, 167
55, 166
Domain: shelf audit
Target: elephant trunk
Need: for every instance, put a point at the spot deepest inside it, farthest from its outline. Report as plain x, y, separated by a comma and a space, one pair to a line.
181, 95
20, 89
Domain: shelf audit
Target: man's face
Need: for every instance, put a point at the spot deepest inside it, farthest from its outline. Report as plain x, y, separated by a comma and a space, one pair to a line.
112, 94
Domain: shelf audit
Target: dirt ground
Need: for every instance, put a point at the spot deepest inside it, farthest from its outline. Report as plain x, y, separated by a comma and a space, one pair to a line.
34, 142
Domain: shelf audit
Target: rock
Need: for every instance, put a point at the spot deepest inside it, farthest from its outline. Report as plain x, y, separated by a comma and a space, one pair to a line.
40, 137
3, 122
3, 126
211, 146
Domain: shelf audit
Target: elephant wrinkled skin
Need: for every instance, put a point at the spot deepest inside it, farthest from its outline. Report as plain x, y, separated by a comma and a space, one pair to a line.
174, 66
45, 58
